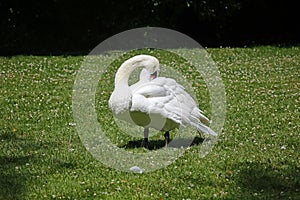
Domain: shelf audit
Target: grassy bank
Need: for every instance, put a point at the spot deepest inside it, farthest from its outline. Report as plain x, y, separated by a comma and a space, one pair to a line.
257, 156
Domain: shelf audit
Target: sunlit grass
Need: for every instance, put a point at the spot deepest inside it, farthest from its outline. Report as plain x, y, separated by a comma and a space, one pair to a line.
257, 156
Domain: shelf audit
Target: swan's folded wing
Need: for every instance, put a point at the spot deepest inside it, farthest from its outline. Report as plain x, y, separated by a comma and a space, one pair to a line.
150, 89
168, 99
162, 97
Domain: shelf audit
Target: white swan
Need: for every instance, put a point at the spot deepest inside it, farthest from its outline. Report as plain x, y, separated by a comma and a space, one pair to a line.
160, 103
145, 77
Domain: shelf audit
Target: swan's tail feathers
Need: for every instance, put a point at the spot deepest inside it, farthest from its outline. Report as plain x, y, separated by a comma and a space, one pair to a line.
204, 119
211, 132
197, 113
205, 129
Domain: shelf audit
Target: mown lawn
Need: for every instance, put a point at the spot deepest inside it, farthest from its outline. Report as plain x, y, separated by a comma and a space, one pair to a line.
257, 156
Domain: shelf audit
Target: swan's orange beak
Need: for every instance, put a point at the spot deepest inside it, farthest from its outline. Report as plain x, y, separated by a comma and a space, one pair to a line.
153, 76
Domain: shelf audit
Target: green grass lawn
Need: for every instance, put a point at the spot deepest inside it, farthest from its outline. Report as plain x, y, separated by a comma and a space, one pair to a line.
257, 156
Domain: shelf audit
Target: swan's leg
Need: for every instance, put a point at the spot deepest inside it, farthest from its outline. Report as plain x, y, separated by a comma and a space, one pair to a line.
145, 141
167, 138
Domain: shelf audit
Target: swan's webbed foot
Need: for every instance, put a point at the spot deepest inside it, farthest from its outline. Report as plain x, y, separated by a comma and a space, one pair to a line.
145, 143
201, 134
167, 138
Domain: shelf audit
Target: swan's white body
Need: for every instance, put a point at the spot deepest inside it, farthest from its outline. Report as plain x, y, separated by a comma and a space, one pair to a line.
160, 103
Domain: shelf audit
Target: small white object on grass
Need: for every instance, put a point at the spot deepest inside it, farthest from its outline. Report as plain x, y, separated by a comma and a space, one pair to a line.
283, 147
136, 169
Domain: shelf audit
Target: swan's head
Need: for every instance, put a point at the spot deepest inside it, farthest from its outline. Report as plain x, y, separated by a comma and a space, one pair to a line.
151, 64
146, 76
154, 75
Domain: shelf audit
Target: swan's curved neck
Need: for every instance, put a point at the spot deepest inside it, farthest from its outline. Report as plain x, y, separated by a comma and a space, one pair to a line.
121, 97
125, 70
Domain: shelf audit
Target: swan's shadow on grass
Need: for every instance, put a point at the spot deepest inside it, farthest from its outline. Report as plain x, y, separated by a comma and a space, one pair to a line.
158, 144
